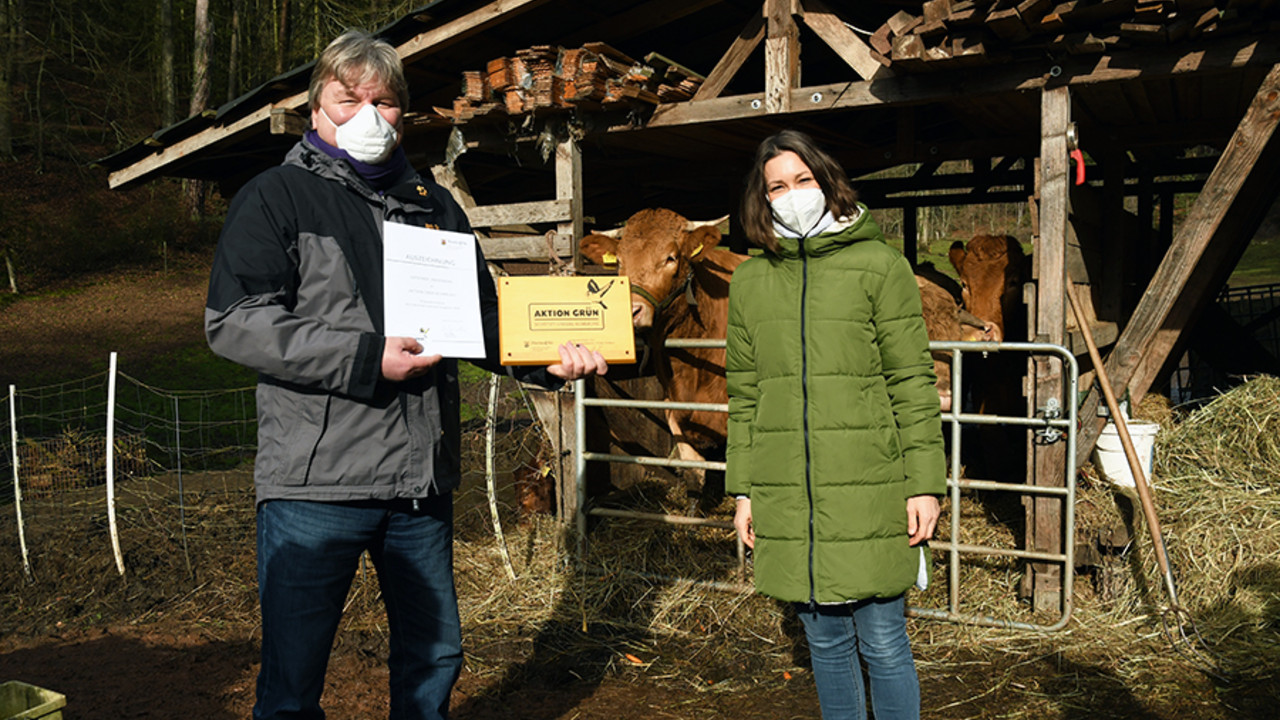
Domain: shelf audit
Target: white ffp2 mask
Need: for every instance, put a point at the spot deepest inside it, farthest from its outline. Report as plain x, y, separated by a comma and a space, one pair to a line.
366, 136
800, 209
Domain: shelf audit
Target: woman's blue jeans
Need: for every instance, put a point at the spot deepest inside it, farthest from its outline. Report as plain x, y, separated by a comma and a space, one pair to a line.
876, 630
308, 553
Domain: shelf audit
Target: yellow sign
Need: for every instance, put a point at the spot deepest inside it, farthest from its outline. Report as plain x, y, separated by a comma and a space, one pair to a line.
538, 314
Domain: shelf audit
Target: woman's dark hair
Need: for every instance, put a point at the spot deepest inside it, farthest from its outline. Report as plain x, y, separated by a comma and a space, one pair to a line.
756, 212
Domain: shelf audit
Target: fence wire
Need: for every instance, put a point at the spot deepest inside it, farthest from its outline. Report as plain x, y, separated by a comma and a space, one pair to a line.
1256, 309
183, 463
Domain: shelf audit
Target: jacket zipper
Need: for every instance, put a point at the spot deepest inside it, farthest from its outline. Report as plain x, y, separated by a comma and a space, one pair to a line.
804, 395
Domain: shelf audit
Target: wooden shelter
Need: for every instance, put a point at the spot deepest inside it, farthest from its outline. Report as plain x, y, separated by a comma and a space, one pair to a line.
545, 116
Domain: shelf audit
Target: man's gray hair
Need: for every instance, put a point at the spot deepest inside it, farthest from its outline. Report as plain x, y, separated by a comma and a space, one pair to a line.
354, 58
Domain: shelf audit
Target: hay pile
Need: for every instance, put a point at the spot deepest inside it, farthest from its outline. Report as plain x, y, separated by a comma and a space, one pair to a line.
625, 611
1218, 490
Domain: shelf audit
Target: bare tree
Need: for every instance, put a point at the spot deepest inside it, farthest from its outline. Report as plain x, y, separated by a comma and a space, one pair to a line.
233, 53
199, 93
8, 48
168, 89
200, 59
282, 36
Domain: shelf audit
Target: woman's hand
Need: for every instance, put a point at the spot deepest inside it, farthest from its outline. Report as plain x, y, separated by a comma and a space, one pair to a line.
578, 362
922, 517
742, 521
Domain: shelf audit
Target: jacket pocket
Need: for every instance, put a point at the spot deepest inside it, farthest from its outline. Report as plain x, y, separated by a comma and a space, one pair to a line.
290, 429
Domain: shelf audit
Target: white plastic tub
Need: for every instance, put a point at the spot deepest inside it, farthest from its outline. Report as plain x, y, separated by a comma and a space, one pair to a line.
1109, 457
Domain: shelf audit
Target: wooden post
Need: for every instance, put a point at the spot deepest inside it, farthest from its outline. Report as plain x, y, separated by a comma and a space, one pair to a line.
910, 233
1044, 522
555, 411
569, 187
781, 56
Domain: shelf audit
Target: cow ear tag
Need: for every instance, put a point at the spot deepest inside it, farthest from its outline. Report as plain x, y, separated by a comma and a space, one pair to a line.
695, 252
610, 259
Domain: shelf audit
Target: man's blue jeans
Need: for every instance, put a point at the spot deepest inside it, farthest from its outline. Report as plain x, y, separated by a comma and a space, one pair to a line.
876, 629
307, 557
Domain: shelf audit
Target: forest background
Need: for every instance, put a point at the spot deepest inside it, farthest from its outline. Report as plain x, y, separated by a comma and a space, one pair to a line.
82, 79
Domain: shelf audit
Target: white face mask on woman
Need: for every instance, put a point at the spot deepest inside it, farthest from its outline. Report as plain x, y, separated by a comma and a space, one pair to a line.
367, 136
800, 210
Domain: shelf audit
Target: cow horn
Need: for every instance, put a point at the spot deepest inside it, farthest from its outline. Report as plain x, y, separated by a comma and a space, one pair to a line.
695, 224
969, 318
616, 233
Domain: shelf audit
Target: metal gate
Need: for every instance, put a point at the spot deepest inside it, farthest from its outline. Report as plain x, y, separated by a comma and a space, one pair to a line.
1054, 423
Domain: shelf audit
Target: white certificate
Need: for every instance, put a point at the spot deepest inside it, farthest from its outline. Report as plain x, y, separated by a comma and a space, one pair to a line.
429, 290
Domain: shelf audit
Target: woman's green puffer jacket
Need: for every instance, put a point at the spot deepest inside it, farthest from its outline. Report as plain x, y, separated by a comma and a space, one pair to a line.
833, 414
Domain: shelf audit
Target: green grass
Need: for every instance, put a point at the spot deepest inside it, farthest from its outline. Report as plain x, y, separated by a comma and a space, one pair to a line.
194, 368
1260, 264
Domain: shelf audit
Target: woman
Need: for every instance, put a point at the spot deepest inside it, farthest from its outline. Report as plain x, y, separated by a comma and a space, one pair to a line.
835, 443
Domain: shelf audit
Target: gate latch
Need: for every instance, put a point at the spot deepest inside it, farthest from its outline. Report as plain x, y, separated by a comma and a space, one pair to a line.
1049, 434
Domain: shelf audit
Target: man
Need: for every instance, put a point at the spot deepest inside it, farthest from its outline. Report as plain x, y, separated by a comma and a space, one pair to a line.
359, 434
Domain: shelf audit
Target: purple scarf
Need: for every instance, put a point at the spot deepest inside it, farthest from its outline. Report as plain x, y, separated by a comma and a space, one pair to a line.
380, 177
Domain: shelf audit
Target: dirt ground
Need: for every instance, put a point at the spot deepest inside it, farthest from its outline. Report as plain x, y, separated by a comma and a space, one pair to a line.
164, 643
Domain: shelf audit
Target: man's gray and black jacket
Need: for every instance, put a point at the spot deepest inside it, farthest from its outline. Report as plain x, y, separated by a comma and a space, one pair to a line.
296, 294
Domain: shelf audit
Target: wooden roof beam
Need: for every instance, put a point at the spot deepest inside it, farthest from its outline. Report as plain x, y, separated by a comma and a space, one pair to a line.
921, 89
732, 60
640, 19
253, 123
832, 31
464, 27
1224, 216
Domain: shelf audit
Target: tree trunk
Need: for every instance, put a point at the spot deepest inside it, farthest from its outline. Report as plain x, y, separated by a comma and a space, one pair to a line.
39, 115
200, 61
233, 53
199, 94
7, 51
282, 36
168, 89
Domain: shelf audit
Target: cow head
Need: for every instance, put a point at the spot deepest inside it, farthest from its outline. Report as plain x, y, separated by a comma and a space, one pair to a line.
992, 269
657, 251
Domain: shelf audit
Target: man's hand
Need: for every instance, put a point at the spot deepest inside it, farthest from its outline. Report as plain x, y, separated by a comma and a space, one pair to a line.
577, 362
922, 517
401, 361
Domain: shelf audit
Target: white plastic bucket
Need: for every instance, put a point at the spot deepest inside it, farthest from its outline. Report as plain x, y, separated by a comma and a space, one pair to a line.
1109, 457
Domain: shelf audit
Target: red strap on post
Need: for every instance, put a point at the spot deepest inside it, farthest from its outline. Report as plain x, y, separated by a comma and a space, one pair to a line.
1078, 156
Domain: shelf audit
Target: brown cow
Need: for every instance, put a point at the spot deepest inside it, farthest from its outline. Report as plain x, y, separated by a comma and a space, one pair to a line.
945, 320
680, 289
992, 269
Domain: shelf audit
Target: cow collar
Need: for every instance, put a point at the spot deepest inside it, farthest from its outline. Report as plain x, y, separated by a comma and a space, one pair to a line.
685, 287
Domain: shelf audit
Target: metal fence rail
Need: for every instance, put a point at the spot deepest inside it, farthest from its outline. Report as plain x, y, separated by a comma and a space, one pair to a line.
1056, 423
1257, 309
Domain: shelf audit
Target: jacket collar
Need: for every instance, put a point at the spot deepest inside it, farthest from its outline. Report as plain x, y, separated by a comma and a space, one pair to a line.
845, 231
316, 161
